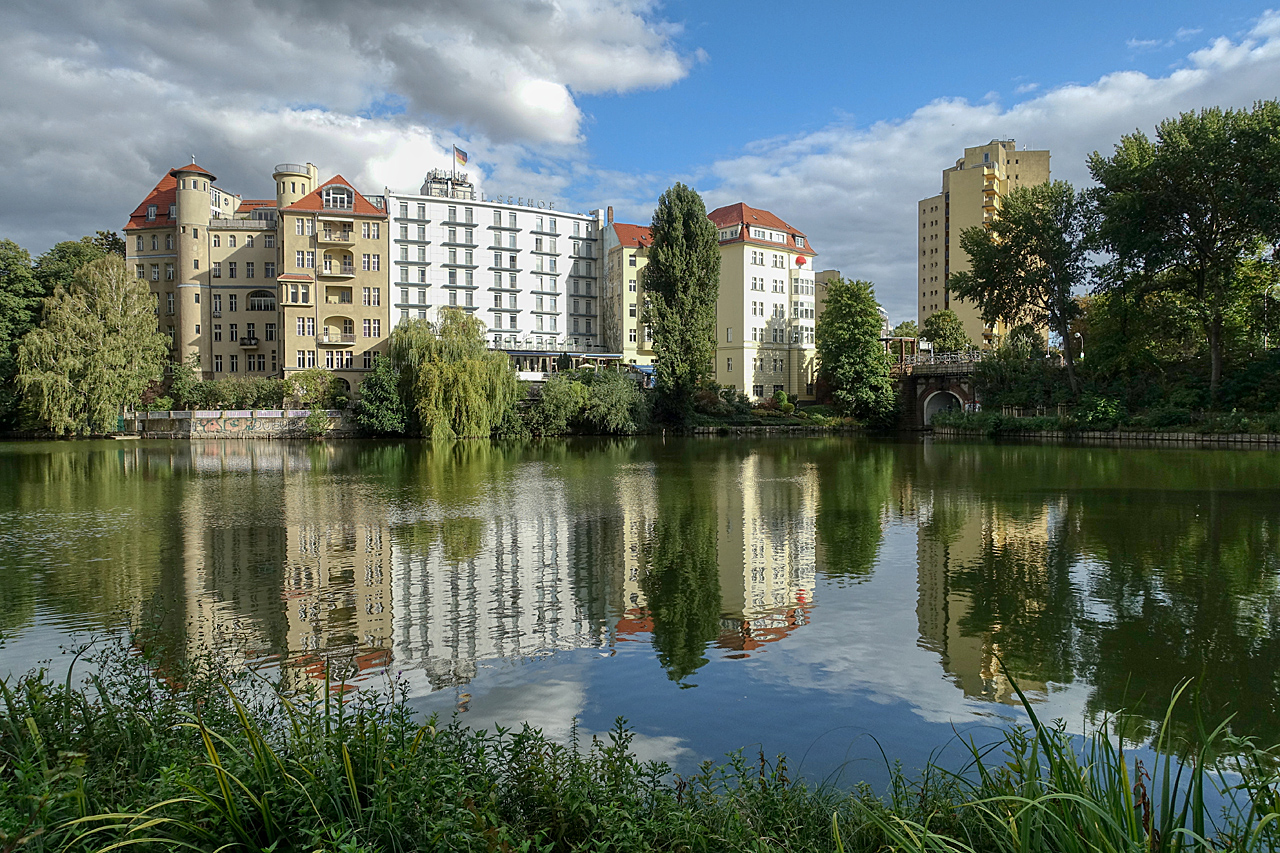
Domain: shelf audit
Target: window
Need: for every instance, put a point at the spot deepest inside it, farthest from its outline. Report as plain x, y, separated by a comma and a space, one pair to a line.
728, 334
422, 296
248, 269
422, 211
302, 358
728, 365
337, 198
169, 299
377, 263
231, 241
631, 335
155, 242
368, 360
373, 328
453, 297
140, 270
138, 245
195, 264
269, 331
422, 275
231, 269
168, 272
311, 260
235, 362
232, 334
151, 213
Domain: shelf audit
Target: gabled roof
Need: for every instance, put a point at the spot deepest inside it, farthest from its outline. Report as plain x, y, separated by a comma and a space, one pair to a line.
743, 214
633, 236
193, 168
164, 194
315, 200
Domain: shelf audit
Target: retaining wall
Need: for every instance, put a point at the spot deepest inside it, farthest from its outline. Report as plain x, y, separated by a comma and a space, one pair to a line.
1189, 439
260, 423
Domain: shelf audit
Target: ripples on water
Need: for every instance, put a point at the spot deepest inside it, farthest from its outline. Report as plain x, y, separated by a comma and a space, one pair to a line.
796, 594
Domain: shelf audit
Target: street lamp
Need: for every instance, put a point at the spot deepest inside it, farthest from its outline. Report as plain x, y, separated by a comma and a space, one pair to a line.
1081, 337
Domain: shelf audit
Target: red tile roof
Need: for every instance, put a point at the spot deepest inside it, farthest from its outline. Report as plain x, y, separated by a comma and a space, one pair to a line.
164, 194
255, 203
294, 276
632, 236
315, 201
193, 168
743, 214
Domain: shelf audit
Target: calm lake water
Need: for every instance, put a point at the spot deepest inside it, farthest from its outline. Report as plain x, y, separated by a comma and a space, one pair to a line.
822, 597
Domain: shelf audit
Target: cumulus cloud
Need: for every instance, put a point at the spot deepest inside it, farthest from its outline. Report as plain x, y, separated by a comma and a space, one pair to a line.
99, 97
854, 189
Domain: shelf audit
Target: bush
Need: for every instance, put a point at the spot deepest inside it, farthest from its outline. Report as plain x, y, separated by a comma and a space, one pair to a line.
559, 407
381, 410
615, 404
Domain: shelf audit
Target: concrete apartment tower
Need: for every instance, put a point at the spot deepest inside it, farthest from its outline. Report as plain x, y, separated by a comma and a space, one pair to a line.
971, 194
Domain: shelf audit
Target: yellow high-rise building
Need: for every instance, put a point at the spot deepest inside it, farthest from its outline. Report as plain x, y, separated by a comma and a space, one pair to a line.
971, 194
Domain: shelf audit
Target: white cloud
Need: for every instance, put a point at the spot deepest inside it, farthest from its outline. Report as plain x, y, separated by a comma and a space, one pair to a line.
854, 189
101, 99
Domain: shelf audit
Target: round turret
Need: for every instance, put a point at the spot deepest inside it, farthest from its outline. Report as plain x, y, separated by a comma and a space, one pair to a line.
293, 181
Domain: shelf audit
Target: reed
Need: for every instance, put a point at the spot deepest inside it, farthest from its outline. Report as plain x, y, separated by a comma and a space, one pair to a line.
199, 758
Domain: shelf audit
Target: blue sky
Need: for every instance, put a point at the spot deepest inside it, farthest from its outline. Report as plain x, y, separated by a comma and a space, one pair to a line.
838, 117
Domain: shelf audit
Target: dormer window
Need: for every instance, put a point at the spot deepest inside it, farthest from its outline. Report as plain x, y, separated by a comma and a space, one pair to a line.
799, 242
173, 211
151, 213
337, 198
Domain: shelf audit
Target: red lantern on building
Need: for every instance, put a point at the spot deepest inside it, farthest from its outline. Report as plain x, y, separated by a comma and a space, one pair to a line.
800, 261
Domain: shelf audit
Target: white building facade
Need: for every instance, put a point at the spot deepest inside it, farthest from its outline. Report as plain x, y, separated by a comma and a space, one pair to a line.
530, 272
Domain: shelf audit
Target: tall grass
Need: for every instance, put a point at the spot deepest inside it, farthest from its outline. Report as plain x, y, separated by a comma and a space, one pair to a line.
199, 759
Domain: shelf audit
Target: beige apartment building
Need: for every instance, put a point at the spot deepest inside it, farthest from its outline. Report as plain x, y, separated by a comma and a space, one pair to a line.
333, 282
626, 253
765, 314
263, 287
767, 309
971, 194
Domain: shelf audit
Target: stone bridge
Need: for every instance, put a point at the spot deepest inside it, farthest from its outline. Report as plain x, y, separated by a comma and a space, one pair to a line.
928, 384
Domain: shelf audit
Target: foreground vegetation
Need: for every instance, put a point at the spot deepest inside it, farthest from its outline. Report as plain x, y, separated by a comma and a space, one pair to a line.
193, 758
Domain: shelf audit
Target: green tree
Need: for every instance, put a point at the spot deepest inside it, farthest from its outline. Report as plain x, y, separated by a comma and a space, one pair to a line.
682, 281
615, 404
906, 329
315, 387
110, 243
20, 298
185, 386
60, 264
457, 386
96, 351
381, 410
558, 406
944, 330
851, 358
1025, 267
1182, 211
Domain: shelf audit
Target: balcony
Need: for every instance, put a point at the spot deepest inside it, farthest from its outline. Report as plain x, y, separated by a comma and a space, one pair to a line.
247, 342
336, 271
337, 300
336, 339
344, 238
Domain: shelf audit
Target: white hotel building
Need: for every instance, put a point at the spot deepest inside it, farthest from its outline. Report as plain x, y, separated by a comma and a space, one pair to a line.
529, 271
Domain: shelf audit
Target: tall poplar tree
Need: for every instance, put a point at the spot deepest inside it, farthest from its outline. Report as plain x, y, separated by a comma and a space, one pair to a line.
1181, 212
682, 281
95, 352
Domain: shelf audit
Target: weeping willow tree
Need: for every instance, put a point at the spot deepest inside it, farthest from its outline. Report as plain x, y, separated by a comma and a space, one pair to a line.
95, 352
456, 386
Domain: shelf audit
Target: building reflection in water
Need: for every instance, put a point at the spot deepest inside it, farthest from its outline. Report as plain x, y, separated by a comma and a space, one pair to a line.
283, 557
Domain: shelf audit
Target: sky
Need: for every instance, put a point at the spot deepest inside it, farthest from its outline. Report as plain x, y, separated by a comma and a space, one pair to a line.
838, 117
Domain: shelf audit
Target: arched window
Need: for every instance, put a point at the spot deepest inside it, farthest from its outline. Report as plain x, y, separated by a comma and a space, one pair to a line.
337, 198
261, 300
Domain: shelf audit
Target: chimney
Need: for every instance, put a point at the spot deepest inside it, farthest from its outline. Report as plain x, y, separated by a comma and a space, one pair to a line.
609, 215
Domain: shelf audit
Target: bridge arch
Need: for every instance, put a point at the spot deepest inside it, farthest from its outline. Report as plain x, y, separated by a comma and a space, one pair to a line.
940, 401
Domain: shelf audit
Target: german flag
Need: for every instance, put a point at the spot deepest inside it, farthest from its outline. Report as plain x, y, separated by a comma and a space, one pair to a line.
459, 156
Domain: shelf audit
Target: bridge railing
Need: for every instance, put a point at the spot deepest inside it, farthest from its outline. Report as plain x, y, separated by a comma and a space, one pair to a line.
955, 360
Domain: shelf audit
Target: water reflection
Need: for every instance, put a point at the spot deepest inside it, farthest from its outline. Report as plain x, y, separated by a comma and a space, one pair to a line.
1109, 573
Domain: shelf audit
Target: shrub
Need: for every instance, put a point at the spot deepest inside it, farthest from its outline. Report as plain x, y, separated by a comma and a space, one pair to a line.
559, 406
615, 404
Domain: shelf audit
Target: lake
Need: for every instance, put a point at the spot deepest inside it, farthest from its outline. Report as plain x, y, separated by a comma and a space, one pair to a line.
824, 597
